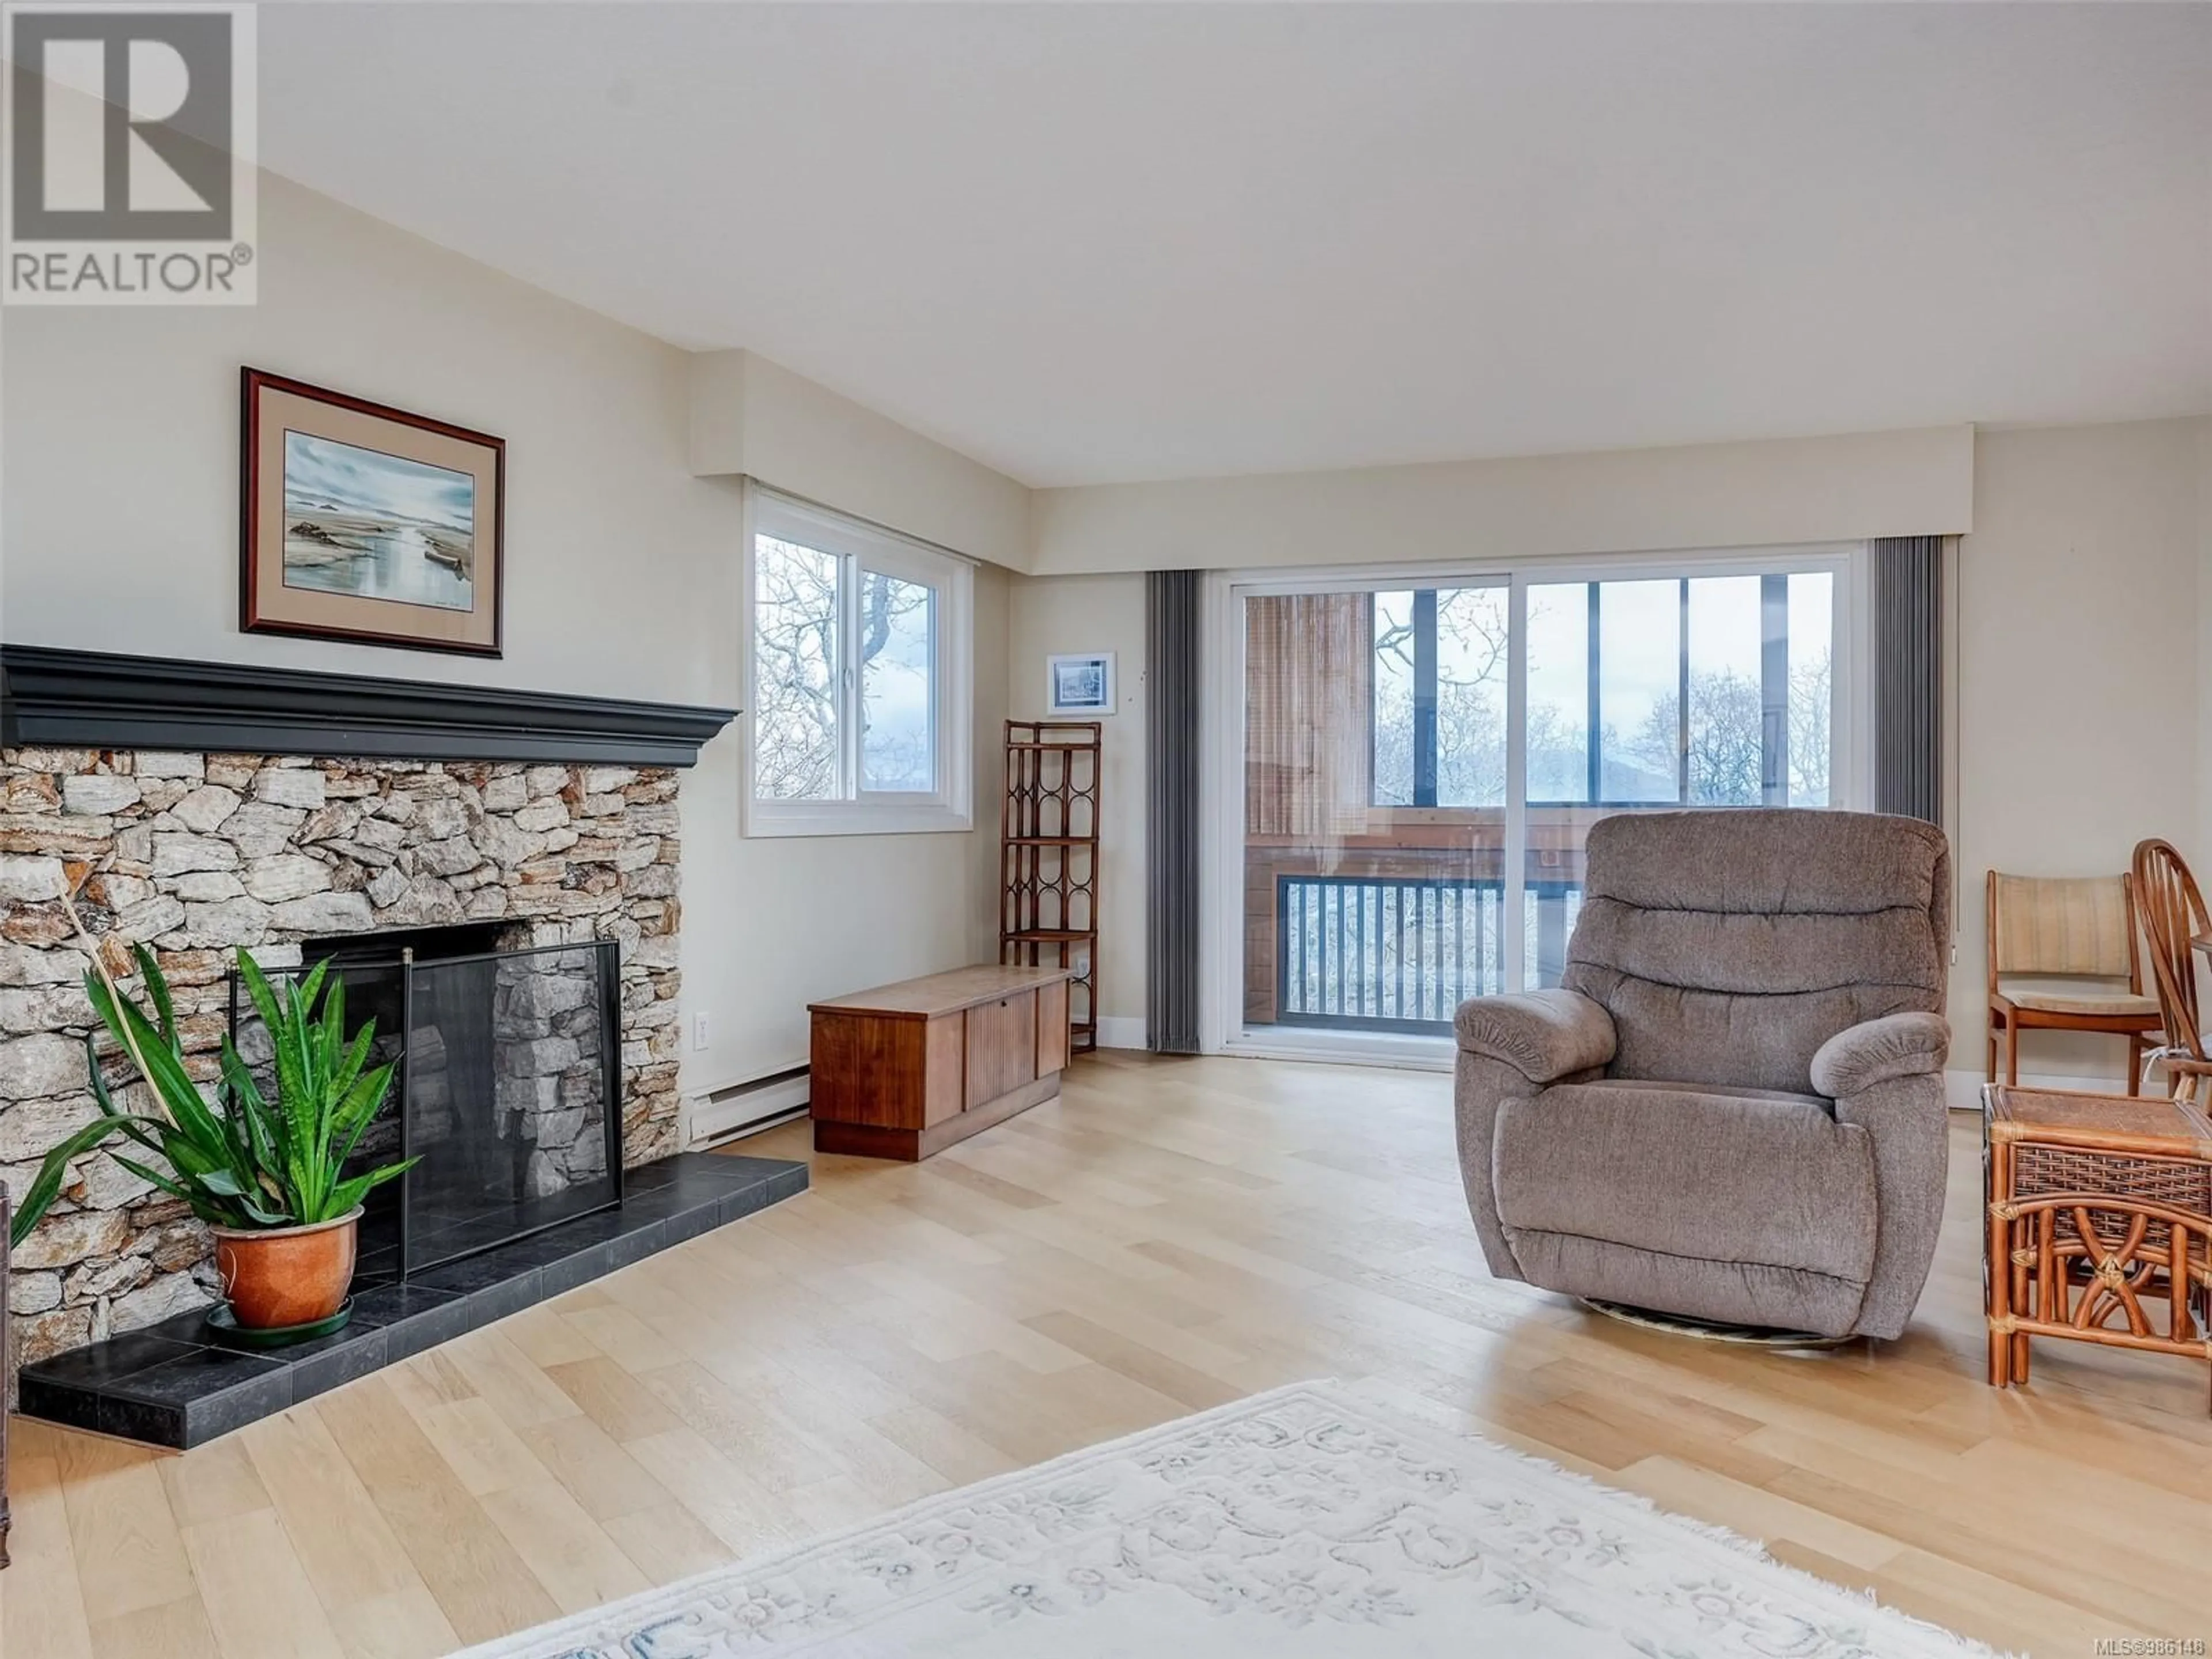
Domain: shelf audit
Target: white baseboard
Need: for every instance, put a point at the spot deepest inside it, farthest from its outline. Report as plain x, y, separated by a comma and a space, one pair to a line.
728, 1110
1120, 1031
1962, 1090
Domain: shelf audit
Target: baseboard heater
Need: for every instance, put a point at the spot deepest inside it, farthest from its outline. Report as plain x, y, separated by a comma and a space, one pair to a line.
745, 1108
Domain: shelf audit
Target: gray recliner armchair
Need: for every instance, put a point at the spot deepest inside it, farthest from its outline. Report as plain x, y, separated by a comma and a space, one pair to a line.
1732, 1108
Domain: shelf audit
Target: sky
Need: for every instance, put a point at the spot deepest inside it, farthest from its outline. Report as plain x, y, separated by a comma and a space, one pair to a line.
896, 751
1639, 638
1639, 641
322, 472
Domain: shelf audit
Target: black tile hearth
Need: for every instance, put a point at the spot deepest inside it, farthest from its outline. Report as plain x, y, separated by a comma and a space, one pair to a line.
185, 1401
414, 1317
318, 1367
171, 1385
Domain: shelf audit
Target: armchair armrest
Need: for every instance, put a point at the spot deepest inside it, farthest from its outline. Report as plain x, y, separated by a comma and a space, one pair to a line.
1886, 1077
1542, 1035
1877, 1051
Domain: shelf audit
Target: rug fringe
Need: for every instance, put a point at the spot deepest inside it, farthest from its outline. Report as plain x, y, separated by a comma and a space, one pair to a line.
1754, 1548
1718, 1534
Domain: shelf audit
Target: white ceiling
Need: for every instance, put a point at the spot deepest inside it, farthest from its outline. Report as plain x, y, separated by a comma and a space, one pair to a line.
1090, 243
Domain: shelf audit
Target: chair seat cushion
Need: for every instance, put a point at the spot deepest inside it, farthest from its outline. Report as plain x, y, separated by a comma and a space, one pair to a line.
2051, 994
1755, 1180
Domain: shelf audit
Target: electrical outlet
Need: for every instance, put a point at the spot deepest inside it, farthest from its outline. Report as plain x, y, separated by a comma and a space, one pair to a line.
699, 1030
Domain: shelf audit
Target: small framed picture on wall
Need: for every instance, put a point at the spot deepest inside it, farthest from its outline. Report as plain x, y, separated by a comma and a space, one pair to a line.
365, 523
1080, 683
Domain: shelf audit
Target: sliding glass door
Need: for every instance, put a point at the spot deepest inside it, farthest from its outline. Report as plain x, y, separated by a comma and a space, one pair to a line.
1422, 759
1375, 782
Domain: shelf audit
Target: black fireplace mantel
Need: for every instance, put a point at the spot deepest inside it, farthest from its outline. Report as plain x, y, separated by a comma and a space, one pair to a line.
51, 697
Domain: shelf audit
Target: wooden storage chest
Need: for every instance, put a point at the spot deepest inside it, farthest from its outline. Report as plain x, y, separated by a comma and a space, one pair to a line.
906, 1070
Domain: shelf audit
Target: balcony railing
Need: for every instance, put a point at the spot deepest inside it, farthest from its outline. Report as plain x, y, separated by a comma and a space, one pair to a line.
1392, 953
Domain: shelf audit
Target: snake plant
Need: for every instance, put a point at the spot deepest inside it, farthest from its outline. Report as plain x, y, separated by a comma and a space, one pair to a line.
244, 1160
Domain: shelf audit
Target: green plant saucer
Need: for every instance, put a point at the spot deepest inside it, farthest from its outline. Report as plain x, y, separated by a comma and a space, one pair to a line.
222, 1325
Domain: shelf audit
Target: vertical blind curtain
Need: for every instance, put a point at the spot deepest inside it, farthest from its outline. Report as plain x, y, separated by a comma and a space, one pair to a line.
1171, 752
1908, 675
1309, 659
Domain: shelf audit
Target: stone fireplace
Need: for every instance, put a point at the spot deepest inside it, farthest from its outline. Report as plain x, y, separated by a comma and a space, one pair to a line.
197, 852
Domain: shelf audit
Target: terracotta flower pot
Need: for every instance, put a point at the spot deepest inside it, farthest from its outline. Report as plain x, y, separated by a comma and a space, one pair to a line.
279, 1276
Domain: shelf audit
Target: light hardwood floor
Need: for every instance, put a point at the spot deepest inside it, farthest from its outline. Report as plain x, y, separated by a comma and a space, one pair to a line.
1170, 1236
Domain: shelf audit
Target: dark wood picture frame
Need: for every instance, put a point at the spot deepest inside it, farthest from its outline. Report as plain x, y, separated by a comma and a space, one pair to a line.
268, 605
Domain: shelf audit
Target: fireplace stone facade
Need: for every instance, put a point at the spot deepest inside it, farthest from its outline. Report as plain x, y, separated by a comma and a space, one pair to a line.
197, 854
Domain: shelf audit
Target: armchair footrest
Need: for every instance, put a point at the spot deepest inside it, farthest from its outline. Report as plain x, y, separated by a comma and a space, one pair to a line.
1764, 1202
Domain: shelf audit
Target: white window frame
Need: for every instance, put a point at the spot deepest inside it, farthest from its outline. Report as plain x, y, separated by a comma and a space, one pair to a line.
1221, 931
861, 545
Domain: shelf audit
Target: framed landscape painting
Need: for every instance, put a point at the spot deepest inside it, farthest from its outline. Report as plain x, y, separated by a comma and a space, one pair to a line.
365, 523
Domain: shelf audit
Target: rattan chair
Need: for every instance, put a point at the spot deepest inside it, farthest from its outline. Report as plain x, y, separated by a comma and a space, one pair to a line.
2173, 918
2062, 957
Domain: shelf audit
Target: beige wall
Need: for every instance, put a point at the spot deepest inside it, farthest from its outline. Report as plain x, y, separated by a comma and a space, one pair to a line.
1775, 492
1099, 613
994, 625
2080, 620
2079, 653
2084, 702
120, 523
119, 532
2204, 633
750, 415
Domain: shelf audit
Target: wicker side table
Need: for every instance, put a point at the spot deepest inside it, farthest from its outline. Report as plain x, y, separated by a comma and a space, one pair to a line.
2100, 1213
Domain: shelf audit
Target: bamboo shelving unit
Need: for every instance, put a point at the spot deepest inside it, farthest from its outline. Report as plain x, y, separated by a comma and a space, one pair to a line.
1048, 861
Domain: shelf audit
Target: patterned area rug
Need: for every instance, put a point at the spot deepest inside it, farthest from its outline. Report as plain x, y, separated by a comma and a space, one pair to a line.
1306, 1521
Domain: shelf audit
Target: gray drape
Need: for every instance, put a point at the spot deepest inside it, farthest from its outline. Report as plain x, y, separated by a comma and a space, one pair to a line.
1171, 748
1908, 675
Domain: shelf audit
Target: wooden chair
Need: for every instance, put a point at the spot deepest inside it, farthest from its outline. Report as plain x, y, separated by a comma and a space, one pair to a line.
2062, 957
2173, 917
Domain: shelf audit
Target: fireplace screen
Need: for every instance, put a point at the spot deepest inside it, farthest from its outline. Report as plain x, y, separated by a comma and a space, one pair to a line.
506, 1086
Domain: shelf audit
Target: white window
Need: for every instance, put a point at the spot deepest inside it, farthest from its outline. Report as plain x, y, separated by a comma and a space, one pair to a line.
859, 684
